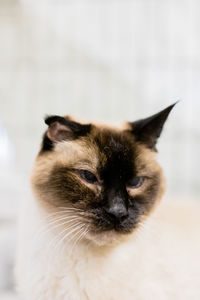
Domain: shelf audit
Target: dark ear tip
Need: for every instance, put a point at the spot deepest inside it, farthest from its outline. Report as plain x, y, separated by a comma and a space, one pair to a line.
47, 119
172, 105
168, 109
50, 119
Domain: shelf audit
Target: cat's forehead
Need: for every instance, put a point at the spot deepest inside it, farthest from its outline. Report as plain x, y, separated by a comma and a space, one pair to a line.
102, 148
119, 152
114, 144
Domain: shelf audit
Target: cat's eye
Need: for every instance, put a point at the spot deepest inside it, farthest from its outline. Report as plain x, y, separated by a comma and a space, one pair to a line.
136, 182
88, 176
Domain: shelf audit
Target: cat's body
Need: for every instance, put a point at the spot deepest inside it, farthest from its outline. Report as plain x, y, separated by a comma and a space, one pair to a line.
84, 249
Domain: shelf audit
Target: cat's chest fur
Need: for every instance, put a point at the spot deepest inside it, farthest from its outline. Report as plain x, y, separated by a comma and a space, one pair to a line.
149, 266
87, 274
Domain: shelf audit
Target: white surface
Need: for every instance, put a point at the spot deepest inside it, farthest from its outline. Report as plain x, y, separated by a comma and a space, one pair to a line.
7, 255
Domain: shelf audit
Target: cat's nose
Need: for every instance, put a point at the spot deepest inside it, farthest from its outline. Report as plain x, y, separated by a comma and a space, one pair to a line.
117, 208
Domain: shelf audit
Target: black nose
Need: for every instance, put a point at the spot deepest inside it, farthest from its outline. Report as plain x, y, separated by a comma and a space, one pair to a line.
117, 208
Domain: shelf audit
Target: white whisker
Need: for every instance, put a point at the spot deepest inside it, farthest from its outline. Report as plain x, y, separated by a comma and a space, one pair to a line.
69, 233
71, 208
60, 213
84, 232
74, 227
63, 218
80, 229
77, 226
49, 227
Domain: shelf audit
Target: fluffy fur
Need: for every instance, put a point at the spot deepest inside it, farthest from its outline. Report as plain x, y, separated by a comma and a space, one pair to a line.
94, 236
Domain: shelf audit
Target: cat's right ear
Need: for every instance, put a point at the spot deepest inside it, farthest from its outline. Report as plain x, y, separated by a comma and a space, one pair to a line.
61, 129
147, 131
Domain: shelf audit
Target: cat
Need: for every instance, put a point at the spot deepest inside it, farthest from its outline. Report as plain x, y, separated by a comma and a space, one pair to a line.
88, 234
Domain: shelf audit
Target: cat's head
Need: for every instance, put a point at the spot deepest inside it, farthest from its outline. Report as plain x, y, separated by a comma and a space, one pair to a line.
104, 180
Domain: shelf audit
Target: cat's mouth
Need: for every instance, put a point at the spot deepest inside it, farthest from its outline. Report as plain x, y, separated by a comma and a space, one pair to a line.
120, 226
105, 232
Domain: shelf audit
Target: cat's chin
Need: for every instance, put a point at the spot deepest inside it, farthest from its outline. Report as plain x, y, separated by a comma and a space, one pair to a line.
106, 238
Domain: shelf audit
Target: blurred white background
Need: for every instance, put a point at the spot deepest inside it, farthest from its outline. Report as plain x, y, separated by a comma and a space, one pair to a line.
106, 60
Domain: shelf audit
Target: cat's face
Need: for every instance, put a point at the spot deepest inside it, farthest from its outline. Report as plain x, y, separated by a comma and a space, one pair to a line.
105, 178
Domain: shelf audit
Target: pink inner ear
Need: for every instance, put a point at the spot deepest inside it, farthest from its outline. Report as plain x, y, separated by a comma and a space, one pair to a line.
58, 132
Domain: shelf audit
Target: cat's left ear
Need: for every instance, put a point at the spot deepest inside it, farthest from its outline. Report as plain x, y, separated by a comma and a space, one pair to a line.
147, 131
62, 129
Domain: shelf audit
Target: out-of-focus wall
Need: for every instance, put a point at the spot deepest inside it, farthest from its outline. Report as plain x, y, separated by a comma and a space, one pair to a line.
109, 60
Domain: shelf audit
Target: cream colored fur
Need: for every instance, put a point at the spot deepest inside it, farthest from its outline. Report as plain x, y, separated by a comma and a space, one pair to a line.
161, 261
